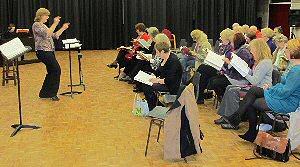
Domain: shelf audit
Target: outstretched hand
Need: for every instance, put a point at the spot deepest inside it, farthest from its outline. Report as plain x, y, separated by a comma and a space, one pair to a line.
57, 19
66, 25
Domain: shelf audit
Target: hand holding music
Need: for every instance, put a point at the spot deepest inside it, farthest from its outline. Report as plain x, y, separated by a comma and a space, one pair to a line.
266, 86
193, 53
226, 60
154, 80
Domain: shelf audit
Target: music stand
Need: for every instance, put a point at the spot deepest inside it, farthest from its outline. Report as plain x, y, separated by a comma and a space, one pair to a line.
20, 126
69, 44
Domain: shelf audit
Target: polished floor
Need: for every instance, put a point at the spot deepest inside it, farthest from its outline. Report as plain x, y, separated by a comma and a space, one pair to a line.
97, 128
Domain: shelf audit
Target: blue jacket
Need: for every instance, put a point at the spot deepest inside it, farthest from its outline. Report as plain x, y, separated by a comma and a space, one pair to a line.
284, 97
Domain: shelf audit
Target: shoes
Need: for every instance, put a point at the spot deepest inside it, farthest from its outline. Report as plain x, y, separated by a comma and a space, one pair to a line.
220, 121
125, 78
55, 98
137, 90
229, 126
112, 65
249, 136
131, 81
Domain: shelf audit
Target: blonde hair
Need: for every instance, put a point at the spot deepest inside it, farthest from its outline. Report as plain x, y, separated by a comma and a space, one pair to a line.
245, 28
152, 31
227, 34
293, 46
268, 32
199, 36
280, 38
41, 12
262, 49
252, 29
162, 43
238, 29
235, 25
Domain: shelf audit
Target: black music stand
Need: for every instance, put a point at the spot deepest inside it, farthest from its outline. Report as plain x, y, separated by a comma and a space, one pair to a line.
81, 81
69, 43
20, 126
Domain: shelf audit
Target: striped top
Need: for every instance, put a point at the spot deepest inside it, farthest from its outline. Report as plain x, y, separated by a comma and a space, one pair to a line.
42, 41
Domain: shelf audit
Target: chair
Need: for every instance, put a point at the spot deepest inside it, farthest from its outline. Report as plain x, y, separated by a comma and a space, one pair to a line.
158, 115
171, 36
276, 77
9, 72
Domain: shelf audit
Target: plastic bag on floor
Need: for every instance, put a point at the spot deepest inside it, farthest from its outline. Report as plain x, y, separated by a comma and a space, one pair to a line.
294, 130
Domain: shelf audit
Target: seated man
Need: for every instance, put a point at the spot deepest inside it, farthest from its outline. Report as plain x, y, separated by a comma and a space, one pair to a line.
168, 74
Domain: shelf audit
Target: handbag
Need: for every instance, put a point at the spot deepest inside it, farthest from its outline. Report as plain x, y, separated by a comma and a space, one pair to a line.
270, 147
140, 106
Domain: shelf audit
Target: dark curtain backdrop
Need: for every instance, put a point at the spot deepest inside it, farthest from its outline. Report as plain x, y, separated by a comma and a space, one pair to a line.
107, 24
212, 16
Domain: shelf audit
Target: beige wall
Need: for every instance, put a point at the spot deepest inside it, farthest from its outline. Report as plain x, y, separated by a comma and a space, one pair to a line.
296, 5
263, 11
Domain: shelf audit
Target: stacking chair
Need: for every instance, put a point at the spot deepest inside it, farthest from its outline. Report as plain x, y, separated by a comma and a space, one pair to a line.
9, 72
158, 114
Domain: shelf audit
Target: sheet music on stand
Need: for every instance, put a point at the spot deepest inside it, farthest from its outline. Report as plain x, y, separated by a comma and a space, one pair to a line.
144, 78
71, 43
214, 60
13, 49
240, 65
144, 43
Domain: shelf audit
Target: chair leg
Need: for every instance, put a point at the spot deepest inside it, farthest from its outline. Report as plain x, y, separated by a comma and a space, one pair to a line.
274, 123
146, 151
14, 74
3, 73
217, 102
160, 125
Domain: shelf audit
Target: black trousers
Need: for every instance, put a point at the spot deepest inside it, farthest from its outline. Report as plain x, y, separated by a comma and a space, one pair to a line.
207, 72
121, 58
150, 93
142, 65
51, 83
253, 103
219, 84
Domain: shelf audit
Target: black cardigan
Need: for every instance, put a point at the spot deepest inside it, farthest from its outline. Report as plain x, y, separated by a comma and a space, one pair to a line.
171, 72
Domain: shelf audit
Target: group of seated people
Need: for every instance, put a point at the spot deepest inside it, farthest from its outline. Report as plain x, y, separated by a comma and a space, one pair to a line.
241, 97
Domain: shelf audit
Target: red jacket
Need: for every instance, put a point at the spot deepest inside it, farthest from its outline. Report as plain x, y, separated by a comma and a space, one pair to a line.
145, 36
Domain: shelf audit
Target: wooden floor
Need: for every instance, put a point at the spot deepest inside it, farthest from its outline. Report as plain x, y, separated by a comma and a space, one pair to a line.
97, 127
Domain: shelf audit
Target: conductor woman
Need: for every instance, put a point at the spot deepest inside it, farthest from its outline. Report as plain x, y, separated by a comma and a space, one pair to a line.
45, 51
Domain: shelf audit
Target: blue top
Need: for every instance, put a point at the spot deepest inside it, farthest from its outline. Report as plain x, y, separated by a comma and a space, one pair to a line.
284, 97
271, 45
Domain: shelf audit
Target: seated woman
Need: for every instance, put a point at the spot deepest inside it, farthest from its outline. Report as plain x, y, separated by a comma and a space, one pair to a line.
267, 35
121, 58
278, 30
231, 76
168, 74
279, 58
206, 71
260, 74
145, 64
189, 57
284, 97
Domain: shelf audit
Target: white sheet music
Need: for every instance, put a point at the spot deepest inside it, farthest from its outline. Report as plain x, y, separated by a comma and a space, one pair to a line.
70, 41
13, 48
144, 78
214, 60
144, 43
72, 46
240, 65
